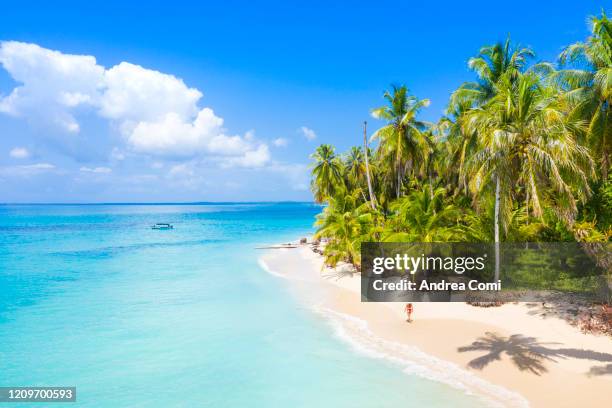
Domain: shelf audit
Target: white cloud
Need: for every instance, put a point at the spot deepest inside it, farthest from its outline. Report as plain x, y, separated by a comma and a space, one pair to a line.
26, 169
308, 133
37, 166
19, 153
251, 158
96, 170
52, 83
156, 113
280, 142
136, 93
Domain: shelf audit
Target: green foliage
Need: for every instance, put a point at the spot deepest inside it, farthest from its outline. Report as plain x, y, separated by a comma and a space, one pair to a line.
524, 148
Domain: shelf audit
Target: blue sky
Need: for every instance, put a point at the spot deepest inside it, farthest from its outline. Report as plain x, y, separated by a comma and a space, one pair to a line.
224, 101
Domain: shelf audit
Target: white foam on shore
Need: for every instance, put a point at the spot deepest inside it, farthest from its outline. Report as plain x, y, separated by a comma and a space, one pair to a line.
263, 265
412, 360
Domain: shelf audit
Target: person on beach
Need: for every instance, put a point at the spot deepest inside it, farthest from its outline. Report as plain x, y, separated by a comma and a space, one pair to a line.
409, 309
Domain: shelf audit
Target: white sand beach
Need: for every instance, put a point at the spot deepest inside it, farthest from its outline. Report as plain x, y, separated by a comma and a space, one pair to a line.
513, 355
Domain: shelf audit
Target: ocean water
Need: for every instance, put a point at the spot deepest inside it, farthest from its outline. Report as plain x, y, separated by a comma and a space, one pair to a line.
91, 297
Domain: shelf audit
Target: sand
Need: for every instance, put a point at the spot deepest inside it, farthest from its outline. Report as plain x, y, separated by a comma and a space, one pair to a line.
513, 355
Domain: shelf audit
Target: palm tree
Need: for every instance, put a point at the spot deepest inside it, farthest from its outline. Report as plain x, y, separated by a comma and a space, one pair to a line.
490, 65
457, 146
346, 224
367, 166
526, 141
326, 172
493, 63
354, 165
589, 86
402, 140
423, 216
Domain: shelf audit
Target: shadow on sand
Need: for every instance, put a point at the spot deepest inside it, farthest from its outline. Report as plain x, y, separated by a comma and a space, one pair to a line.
528, 354
341, 271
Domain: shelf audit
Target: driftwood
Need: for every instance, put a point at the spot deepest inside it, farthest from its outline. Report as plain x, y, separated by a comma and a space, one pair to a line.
281, 246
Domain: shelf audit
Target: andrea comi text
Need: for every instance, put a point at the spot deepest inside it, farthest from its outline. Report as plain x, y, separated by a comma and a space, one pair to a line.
424, 285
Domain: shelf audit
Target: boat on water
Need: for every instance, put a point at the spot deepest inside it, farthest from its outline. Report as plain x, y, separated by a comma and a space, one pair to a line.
162, 226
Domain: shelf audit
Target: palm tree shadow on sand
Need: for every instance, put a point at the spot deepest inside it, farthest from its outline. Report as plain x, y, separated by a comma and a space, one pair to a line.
527, 354
341, 271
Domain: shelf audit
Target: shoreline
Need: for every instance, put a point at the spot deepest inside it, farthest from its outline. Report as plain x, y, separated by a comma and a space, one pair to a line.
513, 355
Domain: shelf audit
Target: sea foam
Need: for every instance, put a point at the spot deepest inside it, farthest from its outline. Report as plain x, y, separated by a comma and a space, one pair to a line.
413, 361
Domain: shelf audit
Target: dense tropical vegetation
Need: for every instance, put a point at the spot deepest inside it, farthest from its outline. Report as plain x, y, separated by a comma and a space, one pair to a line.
522, 154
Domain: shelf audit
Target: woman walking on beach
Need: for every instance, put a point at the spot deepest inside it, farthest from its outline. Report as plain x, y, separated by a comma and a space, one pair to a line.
409, 309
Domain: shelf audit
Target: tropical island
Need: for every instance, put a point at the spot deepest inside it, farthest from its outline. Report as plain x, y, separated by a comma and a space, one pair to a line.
521, 155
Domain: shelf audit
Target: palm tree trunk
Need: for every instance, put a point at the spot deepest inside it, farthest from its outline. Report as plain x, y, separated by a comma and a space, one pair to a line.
527, 209
527, 204
367, 163
399, 178
604, 165
398, 155
497, 203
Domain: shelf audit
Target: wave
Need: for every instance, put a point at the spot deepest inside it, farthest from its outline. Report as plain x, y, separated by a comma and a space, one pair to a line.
413, 361
263, 265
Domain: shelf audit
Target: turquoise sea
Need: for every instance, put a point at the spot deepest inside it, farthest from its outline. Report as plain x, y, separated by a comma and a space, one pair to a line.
92, 297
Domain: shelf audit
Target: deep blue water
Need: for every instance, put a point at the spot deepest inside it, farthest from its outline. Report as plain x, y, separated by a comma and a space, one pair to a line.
91, 297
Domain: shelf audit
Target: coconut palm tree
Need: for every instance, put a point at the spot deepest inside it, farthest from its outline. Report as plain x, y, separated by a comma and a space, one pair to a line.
423, 216
354, 166
528, 150
402, 140
326, 172
492, 63
455, 145
346, 224
367, 166
589, 86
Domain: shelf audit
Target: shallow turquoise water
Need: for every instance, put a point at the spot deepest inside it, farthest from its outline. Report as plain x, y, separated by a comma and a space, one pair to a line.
91, 297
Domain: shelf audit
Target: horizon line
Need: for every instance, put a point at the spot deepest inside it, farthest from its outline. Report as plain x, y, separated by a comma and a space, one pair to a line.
160, 203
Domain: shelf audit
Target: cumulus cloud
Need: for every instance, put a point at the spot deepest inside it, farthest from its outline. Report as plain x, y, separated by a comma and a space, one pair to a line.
52, 84
19, 153
96, 170
156, 113
308, 133
280, 142
135, 93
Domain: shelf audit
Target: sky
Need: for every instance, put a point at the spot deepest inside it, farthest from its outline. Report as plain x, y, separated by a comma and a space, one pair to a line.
225, 101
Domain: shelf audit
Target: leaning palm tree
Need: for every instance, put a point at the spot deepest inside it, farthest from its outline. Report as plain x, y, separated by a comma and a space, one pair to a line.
326, 172
402, 140
589, 86
366, 149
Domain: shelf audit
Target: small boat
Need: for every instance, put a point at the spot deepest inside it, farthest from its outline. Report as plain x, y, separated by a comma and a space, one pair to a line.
162, 226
